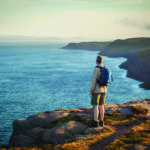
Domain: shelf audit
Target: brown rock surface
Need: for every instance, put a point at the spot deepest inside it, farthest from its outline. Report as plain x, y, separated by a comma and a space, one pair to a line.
45, 119
64, 132
36, 134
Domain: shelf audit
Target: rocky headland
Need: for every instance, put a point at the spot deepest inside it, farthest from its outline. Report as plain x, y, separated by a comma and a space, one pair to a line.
126, 125
136, 50
92, 46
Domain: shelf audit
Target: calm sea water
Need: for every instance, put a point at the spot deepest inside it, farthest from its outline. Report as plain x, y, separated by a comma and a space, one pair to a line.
39, 78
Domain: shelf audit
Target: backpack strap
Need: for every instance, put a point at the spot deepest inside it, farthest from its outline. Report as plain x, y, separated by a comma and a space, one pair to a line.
100, 67
97, 80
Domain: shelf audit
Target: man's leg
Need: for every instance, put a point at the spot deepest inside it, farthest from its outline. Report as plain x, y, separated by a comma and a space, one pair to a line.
96, 113
101, 123
101, 107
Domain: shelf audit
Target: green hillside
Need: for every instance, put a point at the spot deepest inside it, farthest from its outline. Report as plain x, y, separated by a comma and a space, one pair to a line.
131, 44
127, 45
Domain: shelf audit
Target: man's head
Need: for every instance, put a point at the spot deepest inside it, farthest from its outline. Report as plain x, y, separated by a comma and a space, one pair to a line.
99, 59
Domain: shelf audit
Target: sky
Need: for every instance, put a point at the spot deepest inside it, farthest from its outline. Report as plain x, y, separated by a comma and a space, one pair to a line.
93, 20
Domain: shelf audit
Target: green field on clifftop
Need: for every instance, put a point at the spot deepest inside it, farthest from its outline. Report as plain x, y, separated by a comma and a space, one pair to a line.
128, 45
132, 44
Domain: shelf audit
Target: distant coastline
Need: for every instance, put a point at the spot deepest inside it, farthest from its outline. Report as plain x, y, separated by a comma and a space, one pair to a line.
136, 50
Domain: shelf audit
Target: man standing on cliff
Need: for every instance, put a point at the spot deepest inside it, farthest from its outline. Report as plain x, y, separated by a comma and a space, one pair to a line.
98, 93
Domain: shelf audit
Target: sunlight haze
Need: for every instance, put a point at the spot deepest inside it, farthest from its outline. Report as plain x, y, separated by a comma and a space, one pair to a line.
75, 19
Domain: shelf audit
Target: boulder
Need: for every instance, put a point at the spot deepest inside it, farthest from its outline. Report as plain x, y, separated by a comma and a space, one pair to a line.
74, 127
64, 132
21, 141
36, 134
44, 120
21, 126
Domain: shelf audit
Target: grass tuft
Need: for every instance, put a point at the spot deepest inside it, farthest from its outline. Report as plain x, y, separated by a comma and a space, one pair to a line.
64, 120
113, 117
139, 110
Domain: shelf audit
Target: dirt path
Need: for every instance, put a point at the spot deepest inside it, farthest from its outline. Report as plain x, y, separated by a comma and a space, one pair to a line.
120, 130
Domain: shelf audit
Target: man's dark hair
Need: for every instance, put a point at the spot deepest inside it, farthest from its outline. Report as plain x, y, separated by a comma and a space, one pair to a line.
99, 59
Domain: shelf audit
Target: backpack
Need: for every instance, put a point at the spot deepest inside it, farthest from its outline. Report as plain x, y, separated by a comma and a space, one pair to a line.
106, 76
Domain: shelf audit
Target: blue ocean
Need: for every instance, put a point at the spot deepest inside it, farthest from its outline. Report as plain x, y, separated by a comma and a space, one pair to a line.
42, 78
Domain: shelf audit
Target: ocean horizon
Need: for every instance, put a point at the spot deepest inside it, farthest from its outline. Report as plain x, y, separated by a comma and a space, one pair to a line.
43, 78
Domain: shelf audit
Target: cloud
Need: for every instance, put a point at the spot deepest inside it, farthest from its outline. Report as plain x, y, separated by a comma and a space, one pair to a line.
134, 22
146, 26
105, 2
8, 3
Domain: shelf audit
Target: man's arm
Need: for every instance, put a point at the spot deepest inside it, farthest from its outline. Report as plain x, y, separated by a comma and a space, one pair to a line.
93, 84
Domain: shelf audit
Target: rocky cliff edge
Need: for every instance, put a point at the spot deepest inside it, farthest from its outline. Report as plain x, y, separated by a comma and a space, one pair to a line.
71, 129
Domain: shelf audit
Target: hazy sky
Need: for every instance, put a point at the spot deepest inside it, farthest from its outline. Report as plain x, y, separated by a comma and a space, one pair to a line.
79, 19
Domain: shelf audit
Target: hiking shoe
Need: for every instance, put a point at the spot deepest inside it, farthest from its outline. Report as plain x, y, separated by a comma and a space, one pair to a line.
95, 124
101, 123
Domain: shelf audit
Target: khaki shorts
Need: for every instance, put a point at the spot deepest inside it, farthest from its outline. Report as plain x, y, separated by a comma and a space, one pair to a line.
98, 99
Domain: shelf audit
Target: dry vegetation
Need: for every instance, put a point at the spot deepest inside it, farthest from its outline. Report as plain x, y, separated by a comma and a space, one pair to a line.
137, 135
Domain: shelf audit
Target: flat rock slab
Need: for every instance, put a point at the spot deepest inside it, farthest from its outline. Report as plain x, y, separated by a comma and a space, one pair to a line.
110, 107
82, 109
93, 130
64, 132
125, 111
44, 120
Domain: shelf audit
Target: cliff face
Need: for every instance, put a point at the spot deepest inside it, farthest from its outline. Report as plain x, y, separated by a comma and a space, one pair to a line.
72, 129
138, 69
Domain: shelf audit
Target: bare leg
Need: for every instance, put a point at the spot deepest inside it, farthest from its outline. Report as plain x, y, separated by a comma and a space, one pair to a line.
96, 113
101, 107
